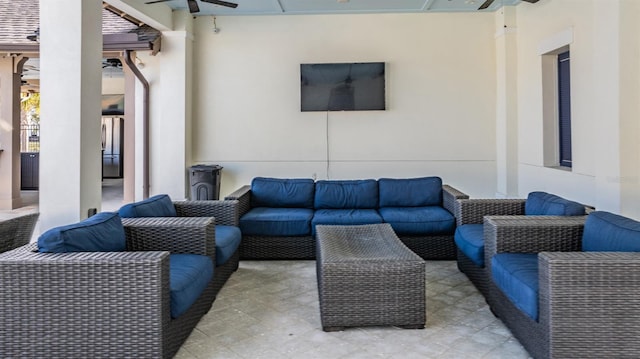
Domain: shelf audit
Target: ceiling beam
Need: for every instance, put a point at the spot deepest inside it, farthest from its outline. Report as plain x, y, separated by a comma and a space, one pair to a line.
157, 16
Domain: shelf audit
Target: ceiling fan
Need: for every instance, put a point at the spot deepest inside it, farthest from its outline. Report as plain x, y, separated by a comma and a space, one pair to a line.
193, 5
488, 3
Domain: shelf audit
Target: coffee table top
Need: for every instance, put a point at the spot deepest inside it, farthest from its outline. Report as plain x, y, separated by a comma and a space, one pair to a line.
361, 243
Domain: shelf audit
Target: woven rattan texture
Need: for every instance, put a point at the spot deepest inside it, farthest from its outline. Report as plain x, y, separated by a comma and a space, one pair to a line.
101, 304
225, 212
431, 247
17, 231
477, 275
472, 211
222, 272
367, 276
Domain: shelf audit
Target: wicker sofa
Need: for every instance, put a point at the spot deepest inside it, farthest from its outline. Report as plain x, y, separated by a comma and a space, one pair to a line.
567, 291
470, 233
226, 236
98, 289
278, 216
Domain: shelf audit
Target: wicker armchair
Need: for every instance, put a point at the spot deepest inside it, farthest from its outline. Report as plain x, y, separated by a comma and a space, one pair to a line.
587, 302
17, 231
469, 215
101, 304
225, 213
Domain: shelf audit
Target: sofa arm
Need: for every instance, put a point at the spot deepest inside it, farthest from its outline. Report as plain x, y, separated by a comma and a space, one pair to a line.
449, 197
225, 212
82, 302
195, 235
531, 234
589, 302
243, 196
472, 211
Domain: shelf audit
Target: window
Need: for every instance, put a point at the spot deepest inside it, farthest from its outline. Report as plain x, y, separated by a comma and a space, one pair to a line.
564, 109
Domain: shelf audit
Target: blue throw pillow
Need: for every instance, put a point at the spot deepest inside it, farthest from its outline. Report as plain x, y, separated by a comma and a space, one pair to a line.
156, 206
547, 204
347, 194
282, 192
608, 232
410, 192
102, 232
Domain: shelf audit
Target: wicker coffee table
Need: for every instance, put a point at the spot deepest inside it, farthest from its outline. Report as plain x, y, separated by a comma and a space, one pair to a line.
368, 277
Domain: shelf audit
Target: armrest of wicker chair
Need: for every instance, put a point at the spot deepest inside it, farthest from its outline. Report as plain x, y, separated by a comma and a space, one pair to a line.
589, 301
531, 234
195, 235
243, 195
17, 231
226, 212
83, 302
472, 211
449, 197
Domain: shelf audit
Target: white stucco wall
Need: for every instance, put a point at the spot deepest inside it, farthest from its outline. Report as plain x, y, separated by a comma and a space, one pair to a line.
440, 117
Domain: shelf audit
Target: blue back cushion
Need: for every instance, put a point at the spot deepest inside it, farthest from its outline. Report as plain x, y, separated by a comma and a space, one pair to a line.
608, 232
411, 192
102, 232
189, 275
156, 206
547, 204
348, 194
282, 192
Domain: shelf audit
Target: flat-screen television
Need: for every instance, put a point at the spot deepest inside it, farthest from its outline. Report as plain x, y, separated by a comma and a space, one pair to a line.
342, 86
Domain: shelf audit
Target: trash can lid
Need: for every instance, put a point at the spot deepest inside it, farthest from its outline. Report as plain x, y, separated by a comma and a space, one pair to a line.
205, 167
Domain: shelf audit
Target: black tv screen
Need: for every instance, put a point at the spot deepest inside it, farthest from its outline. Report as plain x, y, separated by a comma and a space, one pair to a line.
342, 87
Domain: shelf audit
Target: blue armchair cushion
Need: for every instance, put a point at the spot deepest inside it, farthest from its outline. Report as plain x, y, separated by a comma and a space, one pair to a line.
345, 217
469, 239
189, 275
516, 274
282, 192
547, 204
102, 232
348, 194
156, 206
608, 232
227, 242
419, 220
262, 221
411, 192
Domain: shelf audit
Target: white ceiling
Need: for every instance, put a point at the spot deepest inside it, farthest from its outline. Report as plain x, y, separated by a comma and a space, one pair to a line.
298, 7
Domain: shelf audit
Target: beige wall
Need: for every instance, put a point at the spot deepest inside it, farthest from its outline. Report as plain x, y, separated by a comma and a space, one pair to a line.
440, 97
605, 84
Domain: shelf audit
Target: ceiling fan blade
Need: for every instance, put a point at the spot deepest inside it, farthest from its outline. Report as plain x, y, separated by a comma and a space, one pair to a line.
531, 1
221, 3
156, 1
485, 5
193, 6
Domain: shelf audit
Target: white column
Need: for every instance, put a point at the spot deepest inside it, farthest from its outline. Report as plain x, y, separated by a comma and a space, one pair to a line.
70, 85
506, 104
10, 70
170, 129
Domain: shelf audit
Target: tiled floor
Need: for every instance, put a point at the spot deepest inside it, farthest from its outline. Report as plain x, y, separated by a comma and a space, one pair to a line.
269, 309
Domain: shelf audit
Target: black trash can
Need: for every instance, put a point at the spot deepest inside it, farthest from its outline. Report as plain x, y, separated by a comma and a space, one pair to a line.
205, 182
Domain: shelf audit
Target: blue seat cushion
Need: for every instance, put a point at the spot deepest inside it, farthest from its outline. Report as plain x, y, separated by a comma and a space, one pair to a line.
469, 239
345, 217
547, 204
262, 221
348, 194
410, 192
156, 206
282, 192
189, 275
102, 232
516, 274
419, 220
227, 242
608, 232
